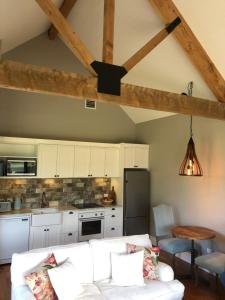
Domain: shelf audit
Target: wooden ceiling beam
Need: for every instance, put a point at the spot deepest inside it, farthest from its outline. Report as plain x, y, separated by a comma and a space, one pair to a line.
148, 47
29, 78
108, 31
67, 33
65, 9
168, 11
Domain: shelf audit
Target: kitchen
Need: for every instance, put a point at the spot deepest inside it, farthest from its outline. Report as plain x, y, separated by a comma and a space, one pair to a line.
72, 180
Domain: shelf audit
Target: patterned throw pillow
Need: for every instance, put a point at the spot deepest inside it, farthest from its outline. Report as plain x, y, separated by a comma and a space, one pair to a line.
39, 281
150, 265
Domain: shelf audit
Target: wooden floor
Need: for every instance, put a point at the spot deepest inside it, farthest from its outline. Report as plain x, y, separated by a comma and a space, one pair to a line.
205, 291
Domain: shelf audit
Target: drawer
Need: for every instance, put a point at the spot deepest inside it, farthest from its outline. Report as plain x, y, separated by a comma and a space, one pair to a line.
114, 210
113, 231
70, 221
113, 220
46, 219
70, 237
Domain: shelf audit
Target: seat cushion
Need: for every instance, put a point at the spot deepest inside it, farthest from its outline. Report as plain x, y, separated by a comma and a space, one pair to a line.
214, 262
153, 290
175, 245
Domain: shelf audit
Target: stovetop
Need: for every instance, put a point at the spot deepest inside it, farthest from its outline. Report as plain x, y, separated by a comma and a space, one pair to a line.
86, 205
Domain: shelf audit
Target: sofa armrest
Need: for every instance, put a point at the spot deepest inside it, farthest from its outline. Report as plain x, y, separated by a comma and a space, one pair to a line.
165, 272
22, 293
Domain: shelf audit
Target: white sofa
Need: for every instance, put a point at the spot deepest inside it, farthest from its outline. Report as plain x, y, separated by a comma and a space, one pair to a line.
92, 259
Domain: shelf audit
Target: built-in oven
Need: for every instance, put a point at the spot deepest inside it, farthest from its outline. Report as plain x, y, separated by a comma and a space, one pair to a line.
91, 225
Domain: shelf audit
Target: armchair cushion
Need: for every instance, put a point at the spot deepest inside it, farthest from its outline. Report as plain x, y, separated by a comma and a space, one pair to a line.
175, 245
214, 262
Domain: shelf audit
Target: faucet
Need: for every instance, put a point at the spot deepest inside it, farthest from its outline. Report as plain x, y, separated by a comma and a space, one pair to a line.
44, 201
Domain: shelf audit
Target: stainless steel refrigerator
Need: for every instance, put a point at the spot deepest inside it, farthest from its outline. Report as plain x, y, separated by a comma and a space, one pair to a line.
136, 202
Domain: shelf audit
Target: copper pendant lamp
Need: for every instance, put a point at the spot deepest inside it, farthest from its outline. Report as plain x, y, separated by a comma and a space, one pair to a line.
190, 165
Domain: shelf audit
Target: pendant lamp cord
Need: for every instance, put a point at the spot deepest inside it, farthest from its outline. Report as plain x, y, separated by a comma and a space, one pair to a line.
189, 89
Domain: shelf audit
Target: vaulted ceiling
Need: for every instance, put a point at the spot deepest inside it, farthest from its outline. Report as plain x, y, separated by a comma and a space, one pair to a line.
166, 68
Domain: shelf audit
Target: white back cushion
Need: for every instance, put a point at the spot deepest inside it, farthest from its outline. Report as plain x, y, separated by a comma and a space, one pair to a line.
79, 254
102, 249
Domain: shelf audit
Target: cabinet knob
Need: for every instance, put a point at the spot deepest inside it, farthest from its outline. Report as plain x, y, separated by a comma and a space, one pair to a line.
69, 234
106, 175
96, 215
45, 229
135, 166
113, 208
113, 216
71, 213
112, 228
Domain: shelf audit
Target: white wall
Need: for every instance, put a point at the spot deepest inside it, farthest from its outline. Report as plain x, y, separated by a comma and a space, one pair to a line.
197, 200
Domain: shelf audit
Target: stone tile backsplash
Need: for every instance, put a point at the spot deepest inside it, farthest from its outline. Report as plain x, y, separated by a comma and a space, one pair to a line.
66, 191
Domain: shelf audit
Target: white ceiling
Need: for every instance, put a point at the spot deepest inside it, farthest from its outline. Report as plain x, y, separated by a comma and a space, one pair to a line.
166, 67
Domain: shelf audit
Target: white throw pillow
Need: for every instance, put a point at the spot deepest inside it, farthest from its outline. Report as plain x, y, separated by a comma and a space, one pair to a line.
127, 269
65, 281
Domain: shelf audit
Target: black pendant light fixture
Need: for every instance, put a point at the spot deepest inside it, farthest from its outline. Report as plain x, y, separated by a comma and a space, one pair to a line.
190, 165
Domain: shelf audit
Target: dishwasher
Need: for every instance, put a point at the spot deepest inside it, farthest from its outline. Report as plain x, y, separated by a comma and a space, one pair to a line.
14, 236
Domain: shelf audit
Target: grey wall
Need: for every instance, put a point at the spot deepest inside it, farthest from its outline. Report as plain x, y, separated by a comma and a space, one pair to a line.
197, 200
41, 116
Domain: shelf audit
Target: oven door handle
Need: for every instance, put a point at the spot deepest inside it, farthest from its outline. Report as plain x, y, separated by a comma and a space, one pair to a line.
91, 219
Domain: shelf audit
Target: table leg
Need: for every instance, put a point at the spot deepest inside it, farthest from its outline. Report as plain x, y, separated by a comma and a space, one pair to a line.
192, 259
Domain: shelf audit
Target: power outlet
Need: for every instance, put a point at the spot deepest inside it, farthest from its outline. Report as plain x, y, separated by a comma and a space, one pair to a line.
209, 250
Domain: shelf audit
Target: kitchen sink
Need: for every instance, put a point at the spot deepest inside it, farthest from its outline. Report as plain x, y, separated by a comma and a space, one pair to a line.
45, 210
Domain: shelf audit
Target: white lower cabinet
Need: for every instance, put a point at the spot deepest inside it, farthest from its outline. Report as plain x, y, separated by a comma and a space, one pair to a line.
45, 230
113, 222
69, 227
45, 236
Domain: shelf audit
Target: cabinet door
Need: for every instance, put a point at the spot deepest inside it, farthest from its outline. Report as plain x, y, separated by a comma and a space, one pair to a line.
97, 162
82, 161
128, 157
111, 162
38, 237
70, 221
65, 162
47, 160
53, 235
141, 157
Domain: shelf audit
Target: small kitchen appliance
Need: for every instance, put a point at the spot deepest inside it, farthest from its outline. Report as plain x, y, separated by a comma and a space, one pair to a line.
5, 206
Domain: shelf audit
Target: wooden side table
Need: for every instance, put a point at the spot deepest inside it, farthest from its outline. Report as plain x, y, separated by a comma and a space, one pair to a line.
193, 233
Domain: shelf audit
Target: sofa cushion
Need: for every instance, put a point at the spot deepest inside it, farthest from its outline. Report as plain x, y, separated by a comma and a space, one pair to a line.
150, 263
102, 249
39, 281
79, 254
65, 281
154, 290
127, 269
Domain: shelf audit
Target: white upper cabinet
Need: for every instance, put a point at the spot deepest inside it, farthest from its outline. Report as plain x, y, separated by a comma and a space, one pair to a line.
65, 162
97, 161
55, 161
82, 161
111, 162
135, 156
47, 160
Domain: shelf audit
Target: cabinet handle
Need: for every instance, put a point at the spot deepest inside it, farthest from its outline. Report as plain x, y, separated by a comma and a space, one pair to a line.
69, 234
55, 175
113, 208
71, 213
45, 229
112, 228
135, 166
23, 220
113, 216
106, 175
89, 175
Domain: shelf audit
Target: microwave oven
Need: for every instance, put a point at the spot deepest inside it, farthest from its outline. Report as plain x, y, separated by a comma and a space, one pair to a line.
16, 166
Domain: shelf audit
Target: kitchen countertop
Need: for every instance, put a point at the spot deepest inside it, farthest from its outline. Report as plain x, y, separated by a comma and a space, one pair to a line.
28, 211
